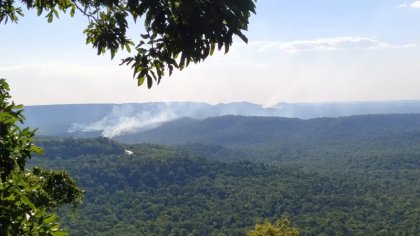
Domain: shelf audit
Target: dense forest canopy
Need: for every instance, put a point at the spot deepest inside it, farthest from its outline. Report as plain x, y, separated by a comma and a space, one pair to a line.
341, 188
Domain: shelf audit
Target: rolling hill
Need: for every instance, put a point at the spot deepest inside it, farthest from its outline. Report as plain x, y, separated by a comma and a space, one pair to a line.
113, 120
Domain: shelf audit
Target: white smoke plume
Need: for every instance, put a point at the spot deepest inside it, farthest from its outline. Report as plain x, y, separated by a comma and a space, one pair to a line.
124, 119
134, 118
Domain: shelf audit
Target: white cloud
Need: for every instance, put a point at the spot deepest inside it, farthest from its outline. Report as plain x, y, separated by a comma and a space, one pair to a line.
326, 44
415, 4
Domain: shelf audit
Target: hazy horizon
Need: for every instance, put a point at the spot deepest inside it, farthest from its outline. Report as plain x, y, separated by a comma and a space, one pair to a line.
114, 119
233, 102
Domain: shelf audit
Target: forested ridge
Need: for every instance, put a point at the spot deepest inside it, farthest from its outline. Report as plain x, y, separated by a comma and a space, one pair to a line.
250, 130
360, 187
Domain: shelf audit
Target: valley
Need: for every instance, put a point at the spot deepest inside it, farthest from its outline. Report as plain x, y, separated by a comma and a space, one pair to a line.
356, 175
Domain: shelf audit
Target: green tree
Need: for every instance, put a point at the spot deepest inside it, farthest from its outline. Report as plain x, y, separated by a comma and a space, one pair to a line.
26, 196
280, 228
175, 32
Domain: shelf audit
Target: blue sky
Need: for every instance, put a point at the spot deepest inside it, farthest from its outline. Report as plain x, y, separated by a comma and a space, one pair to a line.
298, 51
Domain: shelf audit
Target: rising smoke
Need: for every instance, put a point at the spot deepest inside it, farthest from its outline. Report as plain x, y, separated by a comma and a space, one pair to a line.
133, 118
125, 119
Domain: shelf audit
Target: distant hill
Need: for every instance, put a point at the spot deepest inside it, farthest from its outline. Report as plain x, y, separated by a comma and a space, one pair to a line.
290, 140
109, 120
113, 120
241, 130
340, 109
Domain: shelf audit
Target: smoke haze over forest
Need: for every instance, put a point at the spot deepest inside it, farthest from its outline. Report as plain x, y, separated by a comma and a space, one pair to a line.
111, 120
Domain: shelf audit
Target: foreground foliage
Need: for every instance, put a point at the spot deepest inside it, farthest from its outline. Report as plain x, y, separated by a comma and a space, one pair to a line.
26, 196
175, 32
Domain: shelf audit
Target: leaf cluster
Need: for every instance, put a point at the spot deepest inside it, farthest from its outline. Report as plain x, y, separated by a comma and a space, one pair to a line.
175, 32
19, 215
26, 196
15, 143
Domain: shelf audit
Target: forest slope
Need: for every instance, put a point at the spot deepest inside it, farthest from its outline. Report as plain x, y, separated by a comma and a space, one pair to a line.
165, 191
243, 130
